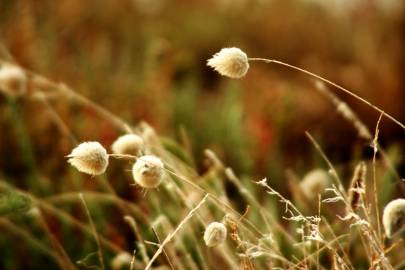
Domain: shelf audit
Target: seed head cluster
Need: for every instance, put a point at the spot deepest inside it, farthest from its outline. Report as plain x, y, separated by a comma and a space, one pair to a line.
90, 158
215, 234
148, 172
230, 62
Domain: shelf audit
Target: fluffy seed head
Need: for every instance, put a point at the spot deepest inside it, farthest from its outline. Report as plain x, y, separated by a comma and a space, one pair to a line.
129, 144
13, 80
148, 171
394, 217
314, 183
215, 234
121, 261
230, 62
90, 158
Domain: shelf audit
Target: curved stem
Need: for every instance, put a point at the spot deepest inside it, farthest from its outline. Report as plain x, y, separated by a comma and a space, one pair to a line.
332, 84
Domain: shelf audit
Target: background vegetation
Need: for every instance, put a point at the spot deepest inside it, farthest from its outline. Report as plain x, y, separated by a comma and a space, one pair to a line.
146, 61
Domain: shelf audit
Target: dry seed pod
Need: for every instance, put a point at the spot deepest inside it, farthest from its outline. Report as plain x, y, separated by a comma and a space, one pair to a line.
148, 171
90, 158
394, 217
129, 144
13, 80
315, 182
230, 62
215, 234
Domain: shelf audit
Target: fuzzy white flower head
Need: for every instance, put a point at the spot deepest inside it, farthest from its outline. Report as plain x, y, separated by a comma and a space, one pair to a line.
148, 171
121, 261
13, 80
129, 144
215, 234
394, 217
315, 182
230, 62
90, 158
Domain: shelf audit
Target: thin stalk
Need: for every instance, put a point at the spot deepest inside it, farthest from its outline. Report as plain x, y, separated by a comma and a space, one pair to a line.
43, 83
363, 131
164, 251
171, 235
95, 234
64, 261
218, 201
100, 198
57, 119
64, 216
330, 165
269, 61
140, 243
375, 148
27, 236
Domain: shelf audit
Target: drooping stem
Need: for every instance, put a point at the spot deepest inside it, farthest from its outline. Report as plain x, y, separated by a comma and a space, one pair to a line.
269, 61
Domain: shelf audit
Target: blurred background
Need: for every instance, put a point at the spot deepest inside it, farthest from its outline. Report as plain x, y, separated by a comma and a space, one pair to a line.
145, 60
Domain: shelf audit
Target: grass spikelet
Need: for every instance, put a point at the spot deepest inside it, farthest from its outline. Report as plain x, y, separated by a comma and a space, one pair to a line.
357, 185
89, 157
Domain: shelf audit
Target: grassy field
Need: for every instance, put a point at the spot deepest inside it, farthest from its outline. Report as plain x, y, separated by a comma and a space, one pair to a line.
295, 161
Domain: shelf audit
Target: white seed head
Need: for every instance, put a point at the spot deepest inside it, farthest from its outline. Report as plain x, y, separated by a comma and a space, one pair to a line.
90, 158
129, 144
394, 217
315, 182
148, 171
215, 234
13, 80
121, 261
230, 62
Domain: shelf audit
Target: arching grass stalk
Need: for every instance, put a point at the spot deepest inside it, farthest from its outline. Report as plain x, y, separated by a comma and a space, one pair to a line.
271, 61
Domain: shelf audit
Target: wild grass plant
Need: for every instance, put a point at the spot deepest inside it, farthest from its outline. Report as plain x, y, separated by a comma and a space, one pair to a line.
185, 219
